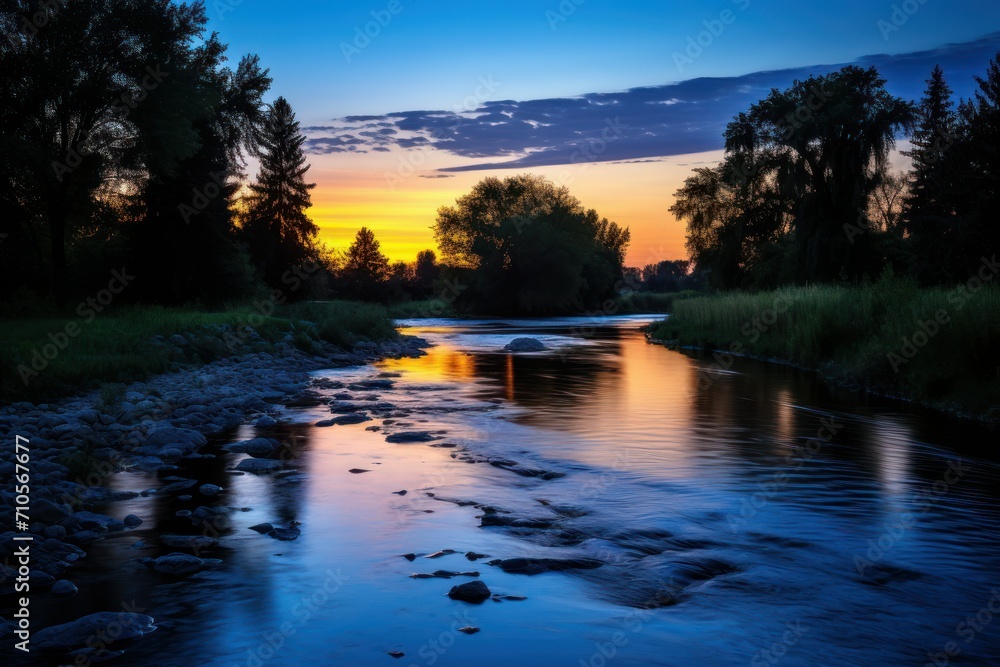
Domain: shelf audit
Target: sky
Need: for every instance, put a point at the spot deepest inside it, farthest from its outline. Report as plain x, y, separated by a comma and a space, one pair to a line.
408, 103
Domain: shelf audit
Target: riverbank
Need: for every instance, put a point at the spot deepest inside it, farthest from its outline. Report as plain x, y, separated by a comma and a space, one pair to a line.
936, 347
77, 445
46, 357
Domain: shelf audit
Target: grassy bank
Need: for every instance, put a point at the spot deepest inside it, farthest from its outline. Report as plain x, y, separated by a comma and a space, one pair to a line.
119, 346
630, 303
935, 346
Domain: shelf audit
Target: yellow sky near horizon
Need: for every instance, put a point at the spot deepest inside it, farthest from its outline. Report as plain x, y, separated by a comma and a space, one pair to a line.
399, 202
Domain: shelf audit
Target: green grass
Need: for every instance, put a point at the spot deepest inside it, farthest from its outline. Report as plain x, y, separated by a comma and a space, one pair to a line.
651, 302
850, 333
116, 346
423, 308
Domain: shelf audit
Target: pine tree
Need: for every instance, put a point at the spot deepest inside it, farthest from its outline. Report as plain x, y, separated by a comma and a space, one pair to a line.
930, 208
279, 232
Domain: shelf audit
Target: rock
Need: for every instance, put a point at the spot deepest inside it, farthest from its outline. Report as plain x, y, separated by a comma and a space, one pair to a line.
96, 522
495, 519
175, 487
410, 557
265, 422
285, 534
78, 633
57, 532
210, 489
396, 654
179, 565
184, 439
512, 466
131, 520
357, 471
47, 511
533, 566
64, 588
188, 541
259, 466
472, 555
469, 630
345, 420
443, 552
259, 448
262, 528
525, 345
400, 493
443, 574
474, 592
411, 436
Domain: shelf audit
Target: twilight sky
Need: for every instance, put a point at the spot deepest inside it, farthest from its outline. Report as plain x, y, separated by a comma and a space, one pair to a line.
617, 99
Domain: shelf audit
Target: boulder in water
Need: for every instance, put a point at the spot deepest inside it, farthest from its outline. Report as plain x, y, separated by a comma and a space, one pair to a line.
525, 345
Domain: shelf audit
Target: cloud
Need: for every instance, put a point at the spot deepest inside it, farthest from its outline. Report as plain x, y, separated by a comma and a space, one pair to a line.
628, 126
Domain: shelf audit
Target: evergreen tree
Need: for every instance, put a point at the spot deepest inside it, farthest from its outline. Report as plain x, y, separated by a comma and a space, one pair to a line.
929, 210
280, 233
366, 269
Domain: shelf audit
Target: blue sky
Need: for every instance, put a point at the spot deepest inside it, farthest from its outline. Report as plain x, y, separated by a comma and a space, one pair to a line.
431, 54
443, 93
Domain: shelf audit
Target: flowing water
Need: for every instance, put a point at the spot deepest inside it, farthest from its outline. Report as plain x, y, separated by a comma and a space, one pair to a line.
744, 513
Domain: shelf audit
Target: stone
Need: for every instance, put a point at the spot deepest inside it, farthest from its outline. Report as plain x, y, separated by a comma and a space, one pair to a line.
259, 466
78, 633
179, 565
525, 345
131, 520
474, 592
64, 588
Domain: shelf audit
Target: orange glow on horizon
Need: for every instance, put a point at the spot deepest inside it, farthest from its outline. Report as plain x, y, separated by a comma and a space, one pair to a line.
400, 204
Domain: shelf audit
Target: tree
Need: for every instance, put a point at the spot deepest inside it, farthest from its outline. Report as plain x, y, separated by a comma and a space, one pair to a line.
366, 269
522, 244
280, 233
800, 167
426, 272
978, 165
929, 210
73, 86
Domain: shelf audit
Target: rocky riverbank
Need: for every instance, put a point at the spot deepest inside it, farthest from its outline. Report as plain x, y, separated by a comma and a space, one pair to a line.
76, 445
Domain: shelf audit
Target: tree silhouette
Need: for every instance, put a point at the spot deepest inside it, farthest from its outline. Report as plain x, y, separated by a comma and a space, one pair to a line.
366, 269
930, 208
527, 245
277, 227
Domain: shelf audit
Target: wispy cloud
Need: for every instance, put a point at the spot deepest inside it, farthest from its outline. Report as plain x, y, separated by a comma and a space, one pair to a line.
651, 122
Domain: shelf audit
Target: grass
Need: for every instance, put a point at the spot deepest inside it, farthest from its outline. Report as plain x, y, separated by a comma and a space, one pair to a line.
936, 346
424, 308
117, 345
651, 302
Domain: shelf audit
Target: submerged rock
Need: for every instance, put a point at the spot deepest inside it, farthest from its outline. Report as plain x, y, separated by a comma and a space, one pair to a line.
180, 565
259, 465
525, 345
78, 633
411, 436
474, 592
533, 566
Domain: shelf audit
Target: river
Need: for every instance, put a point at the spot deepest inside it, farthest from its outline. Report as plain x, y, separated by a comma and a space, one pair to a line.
743, 514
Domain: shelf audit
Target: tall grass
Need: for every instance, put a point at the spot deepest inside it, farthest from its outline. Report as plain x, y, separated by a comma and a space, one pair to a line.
652, 302
944, 341
117, 346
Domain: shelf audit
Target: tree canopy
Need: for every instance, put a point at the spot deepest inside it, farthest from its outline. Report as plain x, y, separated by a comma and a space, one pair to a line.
524, 244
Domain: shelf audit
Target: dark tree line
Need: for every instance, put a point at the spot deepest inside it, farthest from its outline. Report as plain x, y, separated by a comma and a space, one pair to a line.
805, 193
524, 245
